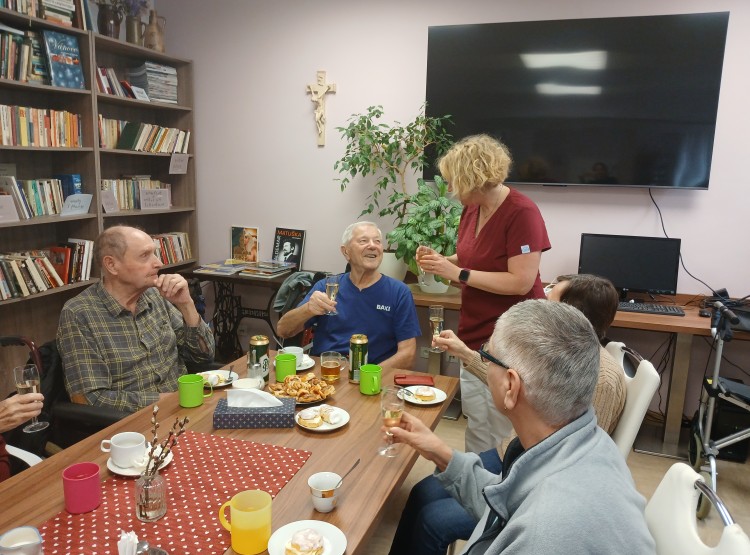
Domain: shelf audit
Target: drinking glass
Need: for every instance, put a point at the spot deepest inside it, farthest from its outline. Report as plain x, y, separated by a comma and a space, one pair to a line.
332, 289
27, 381
392, 407
421, 250
436, 321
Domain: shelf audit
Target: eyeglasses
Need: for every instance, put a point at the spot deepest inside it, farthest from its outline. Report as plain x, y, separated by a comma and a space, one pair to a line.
486, 357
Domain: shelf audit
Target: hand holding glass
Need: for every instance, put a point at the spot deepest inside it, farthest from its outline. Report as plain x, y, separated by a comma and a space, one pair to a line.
392, 407
27, 381
421, 251
332, 289
436, 321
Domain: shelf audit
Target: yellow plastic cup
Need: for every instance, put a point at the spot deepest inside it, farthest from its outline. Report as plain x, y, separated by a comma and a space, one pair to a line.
251, 521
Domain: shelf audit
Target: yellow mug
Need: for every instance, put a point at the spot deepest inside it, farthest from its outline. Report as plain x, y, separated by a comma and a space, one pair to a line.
251, 521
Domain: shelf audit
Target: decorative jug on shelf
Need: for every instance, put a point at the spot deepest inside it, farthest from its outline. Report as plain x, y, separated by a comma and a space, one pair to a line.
108, 21
153, 36
134, 30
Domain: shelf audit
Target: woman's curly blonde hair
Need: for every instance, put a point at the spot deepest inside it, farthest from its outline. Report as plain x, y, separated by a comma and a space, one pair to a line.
475, 163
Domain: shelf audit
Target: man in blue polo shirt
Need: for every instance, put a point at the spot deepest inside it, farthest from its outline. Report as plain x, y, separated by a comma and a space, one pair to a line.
367, 302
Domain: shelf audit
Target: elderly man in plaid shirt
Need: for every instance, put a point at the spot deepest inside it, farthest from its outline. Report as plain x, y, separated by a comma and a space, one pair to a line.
124, 341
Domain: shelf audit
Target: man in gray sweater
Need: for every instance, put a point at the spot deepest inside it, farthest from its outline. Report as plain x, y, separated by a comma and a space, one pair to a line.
565, 488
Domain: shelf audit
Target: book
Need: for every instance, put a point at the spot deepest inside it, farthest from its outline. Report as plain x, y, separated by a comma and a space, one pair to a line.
9, 185
129, 136
84, 270
4, 287
288, 245
71, 183
63, 60
11, 279
59, 258
244, 243
220, 269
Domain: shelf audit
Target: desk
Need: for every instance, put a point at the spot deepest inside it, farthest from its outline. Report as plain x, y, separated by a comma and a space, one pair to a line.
36, 495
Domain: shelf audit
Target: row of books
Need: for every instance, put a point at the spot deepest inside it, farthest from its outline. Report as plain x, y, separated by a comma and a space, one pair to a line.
30, 272
158, 80
70, 13
173, 247
128, 189
148, 137
22, 56
45, 127
40, 197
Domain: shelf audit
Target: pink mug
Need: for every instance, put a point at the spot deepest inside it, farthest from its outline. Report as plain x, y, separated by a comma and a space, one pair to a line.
82, 488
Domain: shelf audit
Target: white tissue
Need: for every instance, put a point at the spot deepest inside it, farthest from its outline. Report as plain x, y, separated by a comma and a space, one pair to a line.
128, 543
251, 398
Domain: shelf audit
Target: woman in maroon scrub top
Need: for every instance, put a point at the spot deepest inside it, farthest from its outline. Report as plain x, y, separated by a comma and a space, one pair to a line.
501, 238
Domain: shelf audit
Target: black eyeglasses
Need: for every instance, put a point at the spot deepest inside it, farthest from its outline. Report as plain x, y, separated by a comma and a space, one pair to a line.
486, 357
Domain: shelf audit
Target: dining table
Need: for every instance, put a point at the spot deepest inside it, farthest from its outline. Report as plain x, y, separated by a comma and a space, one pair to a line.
35, 497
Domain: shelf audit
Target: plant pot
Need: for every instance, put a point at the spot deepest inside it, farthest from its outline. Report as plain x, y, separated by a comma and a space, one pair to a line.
108, 21
392, 266
432, 285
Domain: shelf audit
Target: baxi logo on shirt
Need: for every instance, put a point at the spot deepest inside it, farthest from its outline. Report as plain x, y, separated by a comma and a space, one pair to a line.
383, 307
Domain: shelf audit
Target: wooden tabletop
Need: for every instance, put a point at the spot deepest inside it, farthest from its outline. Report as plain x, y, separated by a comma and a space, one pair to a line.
34, 496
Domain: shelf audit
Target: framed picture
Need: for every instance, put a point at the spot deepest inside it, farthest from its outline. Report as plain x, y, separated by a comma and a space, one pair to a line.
244, 244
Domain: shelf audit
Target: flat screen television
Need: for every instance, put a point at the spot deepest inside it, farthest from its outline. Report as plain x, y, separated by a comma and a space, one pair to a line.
632, 263
627, 101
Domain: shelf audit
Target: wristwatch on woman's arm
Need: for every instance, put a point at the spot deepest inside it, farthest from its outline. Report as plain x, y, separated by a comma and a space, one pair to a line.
463, 277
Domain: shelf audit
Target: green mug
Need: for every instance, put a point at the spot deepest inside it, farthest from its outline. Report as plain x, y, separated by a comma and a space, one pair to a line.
286, 365
369, 379
190, 390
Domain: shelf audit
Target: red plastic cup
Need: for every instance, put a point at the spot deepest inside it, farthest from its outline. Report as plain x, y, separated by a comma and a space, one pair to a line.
82, 488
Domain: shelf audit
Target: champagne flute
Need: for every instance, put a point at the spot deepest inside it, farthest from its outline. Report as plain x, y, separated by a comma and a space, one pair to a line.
392, 407
332, 289
421, 278
436, 321
27, 381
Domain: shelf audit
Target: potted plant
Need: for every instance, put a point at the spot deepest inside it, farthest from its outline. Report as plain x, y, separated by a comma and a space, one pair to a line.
431, 220
390, 153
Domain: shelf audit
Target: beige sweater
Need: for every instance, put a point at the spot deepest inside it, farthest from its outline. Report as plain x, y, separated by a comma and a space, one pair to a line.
609, 395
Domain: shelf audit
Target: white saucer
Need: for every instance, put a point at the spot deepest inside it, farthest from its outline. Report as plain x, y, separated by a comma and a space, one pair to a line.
132, 471
306, 363
440, 396
220, 373
325, 426
334, 540
249, 383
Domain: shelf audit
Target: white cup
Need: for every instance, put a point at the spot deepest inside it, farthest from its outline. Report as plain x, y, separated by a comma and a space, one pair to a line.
25, 540
125, 448
298, 353
323, 490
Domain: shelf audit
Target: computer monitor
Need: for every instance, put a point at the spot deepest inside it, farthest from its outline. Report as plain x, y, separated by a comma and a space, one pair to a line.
631, 263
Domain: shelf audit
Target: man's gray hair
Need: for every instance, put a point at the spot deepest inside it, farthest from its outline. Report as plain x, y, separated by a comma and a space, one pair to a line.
349, 231
556, 352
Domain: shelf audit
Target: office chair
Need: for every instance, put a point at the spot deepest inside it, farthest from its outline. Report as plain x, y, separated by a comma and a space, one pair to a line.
639, 389
670, 516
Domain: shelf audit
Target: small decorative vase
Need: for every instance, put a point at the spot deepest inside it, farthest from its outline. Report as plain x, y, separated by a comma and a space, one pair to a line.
108, 21
150, 497
153, 36
134, 29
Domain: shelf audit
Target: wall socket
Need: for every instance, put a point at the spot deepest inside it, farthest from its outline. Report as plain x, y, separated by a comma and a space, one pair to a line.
424, 352
452, 359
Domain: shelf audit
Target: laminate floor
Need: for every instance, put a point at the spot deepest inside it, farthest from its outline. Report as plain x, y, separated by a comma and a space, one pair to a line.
647, 470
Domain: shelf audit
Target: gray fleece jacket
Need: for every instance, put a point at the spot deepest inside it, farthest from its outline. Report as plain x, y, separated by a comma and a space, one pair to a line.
572, 493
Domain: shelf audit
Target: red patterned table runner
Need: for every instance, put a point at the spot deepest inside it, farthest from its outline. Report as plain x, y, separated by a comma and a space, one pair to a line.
207, 470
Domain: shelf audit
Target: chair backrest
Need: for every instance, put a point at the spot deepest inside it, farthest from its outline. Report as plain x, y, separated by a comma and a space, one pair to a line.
289, 295
671, 519
640, 390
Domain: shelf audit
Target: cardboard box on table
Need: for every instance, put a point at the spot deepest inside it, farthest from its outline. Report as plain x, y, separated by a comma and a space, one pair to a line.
254, 417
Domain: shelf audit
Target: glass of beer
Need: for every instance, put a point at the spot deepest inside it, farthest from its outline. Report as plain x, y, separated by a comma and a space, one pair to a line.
331, 364
391, 407
27, 381
436, 322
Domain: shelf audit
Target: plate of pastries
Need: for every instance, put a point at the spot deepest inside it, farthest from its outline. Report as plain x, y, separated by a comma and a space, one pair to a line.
305, 388
424, 395
324, 418
307, 537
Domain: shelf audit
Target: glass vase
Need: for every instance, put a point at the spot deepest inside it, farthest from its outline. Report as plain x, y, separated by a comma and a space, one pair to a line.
150, 497
108, 21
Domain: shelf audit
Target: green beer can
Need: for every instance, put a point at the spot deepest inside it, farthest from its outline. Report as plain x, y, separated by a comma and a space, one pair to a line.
357, 355
257, 352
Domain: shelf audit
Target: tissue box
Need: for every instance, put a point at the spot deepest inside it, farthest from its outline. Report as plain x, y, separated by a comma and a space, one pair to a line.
255, 417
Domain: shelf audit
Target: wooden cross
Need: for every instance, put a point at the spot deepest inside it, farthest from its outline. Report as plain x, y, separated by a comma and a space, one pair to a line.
318, 90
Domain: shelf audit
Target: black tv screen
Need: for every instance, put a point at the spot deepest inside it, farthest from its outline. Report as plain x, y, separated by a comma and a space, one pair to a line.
632, 263
627, 101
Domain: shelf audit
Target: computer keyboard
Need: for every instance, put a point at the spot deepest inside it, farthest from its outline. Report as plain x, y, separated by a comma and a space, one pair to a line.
651, 308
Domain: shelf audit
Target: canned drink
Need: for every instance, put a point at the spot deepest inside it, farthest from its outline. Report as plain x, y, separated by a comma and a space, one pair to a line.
257, 353
357, 356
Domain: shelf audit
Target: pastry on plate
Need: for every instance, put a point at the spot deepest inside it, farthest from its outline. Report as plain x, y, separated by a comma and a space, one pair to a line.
304, 542
329, 414
424, 393
310, 418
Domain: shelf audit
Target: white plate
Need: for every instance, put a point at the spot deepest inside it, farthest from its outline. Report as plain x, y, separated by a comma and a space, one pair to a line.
132, 471
325, 426
222, 374
306, 364
440, 396
334, 540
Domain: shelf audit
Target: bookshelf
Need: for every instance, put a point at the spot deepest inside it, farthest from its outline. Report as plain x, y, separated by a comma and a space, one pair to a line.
36, 316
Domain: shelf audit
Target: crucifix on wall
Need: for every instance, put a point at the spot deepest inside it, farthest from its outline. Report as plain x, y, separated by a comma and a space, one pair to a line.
318, 91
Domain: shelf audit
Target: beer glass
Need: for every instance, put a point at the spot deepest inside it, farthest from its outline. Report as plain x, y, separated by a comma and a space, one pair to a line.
27, 381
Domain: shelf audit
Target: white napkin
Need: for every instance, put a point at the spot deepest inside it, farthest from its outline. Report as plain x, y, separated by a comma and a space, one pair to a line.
140, 463
128, 543
251, 398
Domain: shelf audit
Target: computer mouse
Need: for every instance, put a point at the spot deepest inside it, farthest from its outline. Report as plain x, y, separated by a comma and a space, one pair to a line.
704, 312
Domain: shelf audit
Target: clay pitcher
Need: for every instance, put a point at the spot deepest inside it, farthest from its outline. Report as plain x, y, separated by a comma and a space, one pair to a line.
153, 36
